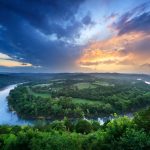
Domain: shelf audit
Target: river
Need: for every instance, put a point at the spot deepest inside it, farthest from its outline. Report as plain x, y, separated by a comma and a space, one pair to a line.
6, 116
11, 118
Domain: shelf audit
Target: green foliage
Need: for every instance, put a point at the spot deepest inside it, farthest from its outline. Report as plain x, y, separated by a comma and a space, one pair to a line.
135, 140
119, 134
117, 127
109, 137
69, 125
142, 119
58, 125
83, 126
76, 98
94, 97
55, 141
95, 125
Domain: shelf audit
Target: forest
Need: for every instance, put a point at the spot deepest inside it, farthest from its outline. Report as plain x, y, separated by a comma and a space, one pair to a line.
121, 133
79, 97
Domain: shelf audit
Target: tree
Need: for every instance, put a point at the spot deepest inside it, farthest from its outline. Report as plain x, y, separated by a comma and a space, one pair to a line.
10, 142
134, 140
142, 119
95, 125
68, 124
58, 125
83, 126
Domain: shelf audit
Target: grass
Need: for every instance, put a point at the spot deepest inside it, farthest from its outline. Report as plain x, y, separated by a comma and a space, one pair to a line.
44, 95
84, 101
102, 83
147, 94
84, 85
74, 100
42, 85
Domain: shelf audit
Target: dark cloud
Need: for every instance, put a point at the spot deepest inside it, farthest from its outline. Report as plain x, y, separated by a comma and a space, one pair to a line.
45, 33
43, 14
29, 27
111, 16
87, 20
137, 19
140, 23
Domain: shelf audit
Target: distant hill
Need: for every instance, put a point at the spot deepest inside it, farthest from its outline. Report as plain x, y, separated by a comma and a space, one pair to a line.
13, 78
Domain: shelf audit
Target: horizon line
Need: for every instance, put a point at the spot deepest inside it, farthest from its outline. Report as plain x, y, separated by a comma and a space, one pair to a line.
130, 73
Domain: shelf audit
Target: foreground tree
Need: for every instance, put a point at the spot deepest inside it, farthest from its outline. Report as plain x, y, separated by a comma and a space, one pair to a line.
83, 126
142, 119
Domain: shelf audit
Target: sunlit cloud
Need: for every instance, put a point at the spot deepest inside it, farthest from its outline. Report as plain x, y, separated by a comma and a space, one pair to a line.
118, 53
82, 35
4, 56
7, 61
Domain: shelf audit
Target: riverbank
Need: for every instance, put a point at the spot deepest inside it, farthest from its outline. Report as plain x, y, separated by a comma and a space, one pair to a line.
11, 117
6, 116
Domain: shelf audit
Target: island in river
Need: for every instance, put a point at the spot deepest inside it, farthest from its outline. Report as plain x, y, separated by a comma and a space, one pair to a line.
76, 96
10, 117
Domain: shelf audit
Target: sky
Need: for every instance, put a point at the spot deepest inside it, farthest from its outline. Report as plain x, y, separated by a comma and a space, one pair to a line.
75, 36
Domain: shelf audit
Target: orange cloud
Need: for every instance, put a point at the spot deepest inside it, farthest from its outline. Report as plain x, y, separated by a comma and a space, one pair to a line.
114, 54
7, 61
12, 63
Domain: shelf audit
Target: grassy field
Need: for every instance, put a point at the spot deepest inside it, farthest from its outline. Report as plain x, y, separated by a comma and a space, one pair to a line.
147, 94
42, 85
102, 83
84, 85
45, 95
74, 100
83, 101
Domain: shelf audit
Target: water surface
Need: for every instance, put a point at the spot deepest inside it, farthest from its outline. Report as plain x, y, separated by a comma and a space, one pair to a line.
6, 116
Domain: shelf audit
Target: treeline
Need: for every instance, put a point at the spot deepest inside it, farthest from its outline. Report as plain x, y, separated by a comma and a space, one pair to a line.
119, 134
124, 96
6, 80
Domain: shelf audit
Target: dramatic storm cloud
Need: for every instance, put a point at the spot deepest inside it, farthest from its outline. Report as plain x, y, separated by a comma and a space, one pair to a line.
74, 35
127, 50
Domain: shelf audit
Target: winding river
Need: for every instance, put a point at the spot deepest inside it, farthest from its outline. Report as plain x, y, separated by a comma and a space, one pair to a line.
6, 116
11, 118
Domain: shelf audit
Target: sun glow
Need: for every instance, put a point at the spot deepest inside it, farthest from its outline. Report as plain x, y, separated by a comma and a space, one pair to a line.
114, 54
7, 61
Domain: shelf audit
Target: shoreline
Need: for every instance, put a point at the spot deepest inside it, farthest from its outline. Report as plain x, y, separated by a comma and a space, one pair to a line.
52, 118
